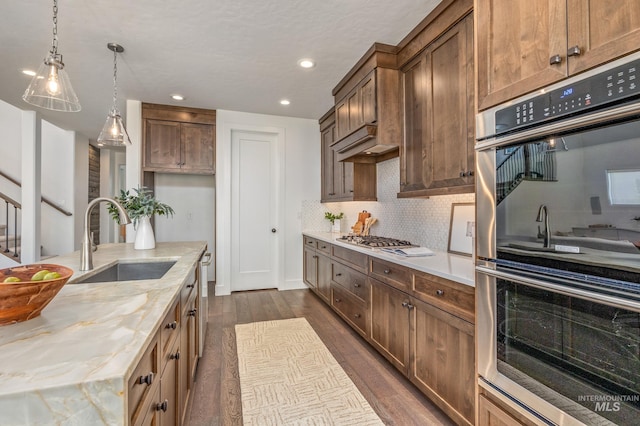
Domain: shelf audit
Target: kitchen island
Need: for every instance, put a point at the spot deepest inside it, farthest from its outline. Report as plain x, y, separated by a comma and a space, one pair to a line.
71, 365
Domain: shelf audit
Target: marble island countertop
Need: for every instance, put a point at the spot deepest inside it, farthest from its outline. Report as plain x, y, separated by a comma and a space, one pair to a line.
454, 267
70, 365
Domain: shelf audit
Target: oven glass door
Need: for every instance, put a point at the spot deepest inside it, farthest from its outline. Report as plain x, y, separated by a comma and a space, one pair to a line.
572, 203
579, 354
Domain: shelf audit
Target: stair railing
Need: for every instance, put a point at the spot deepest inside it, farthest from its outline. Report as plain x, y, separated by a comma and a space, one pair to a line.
43, 199
16, 206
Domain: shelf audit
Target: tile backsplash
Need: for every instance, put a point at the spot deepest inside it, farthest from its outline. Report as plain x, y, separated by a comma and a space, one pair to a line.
423, 222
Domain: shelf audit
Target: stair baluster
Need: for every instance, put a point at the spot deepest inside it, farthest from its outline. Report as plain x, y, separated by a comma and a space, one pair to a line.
15, 231
6, 229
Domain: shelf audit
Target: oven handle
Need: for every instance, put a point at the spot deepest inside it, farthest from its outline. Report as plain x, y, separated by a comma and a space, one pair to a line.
566, 290
562, 126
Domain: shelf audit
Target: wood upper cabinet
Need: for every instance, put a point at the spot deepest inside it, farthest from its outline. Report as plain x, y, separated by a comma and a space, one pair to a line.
523, 46
437, 153
358, 107
178, 140
343, 181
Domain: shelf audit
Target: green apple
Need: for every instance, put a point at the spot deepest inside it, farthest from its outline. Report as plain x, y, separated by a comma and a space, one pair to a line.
39, 276
12, 280
51, 276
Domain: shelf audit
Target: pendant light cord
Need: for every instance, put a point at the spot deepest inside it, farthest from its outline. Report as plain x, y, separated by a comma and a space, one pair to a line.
115, 72
54, 46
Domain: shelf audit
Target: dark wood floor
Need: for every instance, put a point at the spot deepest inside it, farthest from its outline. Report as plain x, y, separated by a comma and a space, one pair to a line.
216, 400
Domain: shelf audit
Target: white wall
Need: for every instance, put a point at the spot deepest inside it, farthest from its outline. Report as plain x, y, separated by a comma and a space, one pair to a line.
63, 170
301, 177
192, 197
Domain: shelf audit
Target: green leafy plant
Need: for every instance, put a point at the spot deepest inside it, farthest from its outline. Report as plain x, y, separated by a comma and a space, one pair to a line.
333, 217
139, 204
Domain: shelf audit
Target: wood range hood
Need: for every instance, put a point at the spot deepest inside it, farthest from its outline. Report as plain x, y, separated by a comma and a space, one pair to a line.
367, 108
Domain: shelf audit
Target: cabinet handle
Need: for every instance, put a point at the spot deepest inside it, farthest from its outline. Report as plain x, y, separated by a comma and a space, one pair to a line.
470, 173
555, 60
440, 292
191, 285
324, 247
356, 285
192, 313
172, 325
315, 256
351, 191
164, 405
148, 379
405, 304
462, 174
574, 51
410, 306
337, 300
387, 271
338, 274
309, 242
356, 316
332, 194
175, 356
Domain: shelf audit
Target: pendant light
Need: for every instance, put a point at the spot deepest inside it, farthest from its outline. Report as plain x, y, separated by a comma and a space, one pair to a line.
50, 88
114, 133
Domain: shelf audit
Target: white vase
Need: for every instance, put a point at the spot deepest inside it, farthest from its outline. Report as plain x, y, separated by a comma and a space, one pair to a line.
336, 226
144, 235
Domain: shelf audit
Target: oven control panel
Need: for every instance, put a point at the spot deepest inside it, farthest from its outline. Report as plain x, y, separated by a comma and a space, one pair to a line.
612, 86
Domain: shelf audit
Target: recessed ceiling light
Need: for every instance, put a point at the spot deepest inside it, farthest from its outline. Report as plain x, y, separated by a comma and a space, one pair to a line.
285, 102
30, 73
177, 97
306, 63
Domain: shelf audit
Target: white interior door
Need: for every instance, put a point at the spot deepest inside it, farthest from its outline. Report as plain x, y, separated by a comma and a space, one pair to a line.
254, 196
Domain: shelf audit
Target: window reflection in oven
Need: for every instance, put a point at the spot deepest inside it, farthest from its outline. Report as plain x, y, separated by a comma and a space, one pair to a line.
586, 351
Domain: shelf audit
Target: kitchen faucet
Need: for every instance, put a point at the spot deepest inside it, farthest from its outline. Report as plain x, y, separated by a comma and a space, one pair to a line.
543, 214
86, 255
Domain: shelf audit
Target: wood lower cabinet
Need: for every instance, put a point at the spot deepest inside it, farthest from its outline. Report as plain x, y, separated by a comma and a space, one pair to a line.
178, 139
524, 46
390, 324
324, 277
310, 267
437, 153
160, 386
443, 350
493, 413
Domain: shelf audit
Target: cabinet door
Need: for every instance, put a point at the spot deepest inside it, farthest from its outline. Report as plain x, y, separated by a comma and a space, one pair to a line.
324, 277
443, 360
368, 104
417, 110
438, 150
310, 267
342, 118
329, 165
516, 41
197, 147
390, 324
603, 30
169, 402
162, 144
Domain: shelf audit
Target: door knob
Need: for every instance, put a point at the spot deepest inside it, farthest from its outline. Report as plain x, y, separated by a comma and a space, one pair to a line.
273, 230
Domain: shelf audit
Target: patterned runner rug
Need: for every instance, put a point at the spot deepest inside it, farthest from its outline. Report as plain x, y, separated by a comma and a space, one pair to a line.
288, 377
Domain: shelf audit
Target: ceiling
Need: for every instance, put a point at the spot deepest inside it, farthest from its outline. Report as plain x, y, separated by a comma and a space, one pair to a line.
238, 55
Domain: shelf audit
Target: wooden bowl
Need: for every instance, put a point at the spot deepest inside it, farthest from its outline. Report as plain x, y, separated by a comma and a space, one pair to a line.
23, 300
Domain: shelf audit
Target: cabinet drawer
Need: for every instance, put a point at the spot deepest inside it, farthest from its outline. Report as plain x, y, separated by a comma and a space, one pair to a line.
350, 308
310, 242
392, 274
324, 246
352, 258
170, 327
353, 281
458, 299
188, 287
143, 382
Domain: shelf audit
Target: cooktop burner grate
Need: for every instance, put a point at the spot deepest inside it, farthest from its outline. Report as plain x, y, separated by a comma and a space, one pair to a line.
373, 241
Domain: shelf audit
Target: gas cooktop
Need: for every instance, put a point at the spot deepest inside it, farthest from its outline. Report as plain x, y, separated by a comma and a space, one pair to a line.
372, 241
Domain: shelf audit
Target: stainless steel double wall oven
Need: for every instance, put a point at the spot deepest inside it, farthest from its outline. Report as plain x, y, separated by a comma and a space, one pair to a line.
558, 259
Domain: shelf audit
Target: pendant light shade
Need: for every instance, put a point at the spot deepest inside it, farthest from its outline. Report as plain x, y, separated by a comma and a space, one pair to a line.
113, 132
51, 88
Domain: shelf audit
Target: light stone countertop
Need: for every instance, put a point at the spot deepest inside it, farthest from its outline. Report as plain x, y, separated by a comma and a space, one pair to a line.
454, 267
70, 365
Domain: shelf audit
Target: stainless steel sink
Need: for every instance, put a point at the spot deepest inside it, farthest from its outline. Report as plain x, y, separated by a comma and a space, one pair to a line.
129, 272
